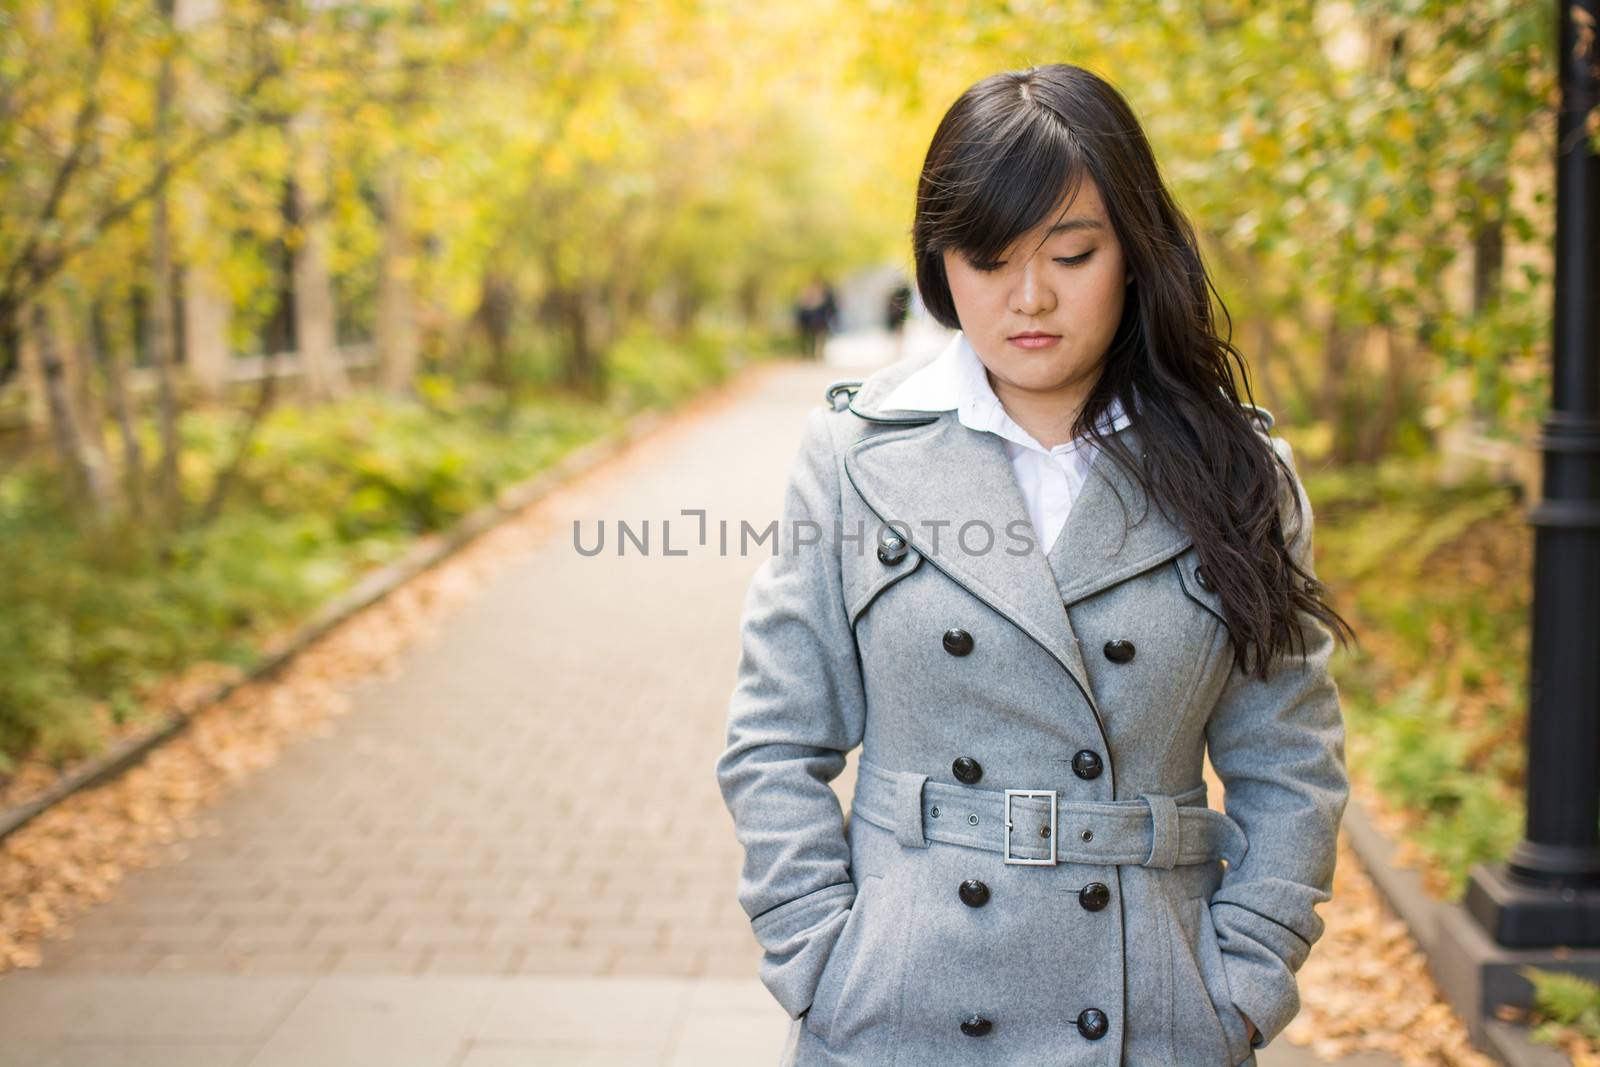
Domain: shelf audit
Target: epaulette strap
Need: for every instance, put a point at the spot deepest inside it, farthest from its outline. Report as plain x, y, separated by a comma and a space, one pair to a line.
1260, 413
840, 393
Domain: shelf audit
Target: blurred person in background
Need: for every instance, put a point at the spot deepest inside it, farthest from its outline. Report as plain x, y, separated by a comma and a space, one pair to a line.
816, 316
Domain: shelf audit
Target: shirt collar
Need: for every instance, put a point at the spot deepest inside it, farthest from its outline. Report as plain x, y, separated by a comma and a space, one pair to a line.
956, 380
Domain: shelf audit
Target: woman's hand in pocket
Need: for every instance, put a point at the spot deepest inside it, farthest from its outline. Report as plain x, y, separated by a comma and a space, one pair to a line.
1251, 1025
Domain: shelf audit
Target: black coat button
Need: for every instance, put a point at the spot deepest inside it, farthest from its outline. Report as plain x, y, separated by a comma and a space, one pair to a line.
1086, 764
976, 1026
1093, 1024
973, 893
966, 769
1203, 578
1119, 651
891, 547
957, 642
1094, 896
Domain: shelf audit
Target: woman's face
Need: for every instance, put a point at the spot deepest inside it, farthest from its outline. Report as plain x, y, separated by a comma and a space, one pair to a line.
1065, 279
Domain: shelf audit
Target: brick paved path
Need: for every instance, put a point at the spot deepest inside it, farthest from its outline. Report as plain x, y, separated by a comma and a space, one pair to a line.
512, 851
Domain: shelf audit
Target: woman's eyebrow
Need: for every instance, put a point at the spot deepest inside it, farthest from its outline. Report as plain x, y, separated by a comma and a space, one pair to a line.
1075, 224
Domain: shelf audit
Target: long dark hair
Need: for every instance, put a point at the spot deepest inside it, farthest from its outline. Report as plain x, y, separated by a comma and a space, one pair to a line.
1006, 153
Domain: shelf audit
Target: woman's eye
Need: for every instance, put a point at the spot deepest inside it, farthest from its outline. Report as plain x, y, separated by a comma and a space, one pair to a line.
988, 266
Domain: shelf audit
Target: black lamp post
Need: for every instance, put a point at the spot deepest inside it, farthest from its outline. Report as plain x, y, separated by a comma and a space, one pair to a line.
1548, 892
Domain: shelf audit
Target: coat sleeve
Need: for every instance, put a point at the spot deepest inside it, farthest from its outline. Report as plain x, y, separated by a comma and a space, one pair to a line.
797, 708
1278, 746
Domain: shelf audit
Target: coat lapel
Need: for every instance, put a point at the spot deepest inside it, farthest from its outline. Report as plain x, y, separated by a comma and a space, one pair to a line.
1095, 550
938, 476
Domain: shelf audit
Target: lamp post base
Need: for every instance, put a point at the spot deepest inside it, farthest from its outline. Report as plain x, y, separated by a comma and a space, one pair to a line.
1521, 914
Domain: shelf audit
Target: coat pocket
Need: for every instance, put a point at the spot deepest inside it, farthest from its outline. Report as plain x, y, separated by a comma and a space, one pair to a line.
858, 996
1207, 1028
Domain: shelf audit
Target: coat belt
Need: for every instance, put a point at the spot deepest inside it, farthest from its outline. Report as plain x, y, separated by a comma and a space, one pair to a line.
1156, 830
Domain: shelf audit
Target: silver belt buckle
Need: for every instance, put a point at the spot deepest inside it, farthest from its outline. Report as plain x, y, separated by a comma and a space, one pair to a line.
1049, 861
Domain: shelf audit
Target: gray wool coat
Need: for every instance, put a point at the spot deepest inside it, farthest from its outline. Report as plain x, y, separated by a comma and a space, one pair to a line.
1102, 915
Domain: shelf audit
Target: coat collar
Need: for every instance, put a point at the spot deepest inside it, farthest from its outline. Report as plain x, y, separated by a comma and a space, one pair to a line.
956, 380
933, 470
870, 398
928, 465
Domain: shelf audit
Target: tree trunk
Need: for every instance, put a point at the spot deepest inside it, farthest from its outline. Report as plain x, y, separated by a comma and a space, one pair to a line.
396, 335
496, 306
581, 370
206, 314
686, 305
1337, 385
162, 341
207, 307
112, 358
163, 332
750, 300
316, 334
35, 407
1397, 396
1489, 249
86, 473
79, 364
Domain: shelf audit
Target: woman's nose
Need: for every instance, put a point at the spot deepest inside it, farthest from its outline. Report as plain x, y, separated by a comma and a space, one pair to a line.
1033, 295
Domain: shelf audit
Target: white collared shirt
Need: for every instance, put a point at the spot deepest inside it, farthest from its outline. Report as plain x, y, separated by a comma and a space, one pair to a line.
1050, 478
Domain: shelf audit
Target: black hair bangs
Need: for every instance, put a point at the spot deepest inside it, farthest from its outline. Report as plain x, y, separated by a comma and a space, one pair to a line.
1002, 182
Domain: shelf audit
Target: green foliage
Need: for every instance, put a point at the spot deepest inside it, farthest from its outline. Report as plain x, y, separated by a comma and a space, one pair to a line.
98, 617
648, 370
1420, 757
1568, 1002
1434, 697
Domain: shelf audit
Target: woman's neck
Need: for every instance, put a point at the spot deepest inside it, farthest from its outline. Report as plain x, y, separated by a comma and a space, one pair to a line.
1047, 416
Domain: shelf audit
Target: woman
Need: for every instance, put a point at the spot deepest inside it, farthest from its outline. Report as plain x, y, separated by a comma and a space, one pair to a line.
973, 585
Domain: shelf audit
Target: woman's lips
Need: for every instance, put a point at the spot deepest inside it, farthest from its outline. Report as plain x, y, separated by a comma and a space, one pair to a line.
1035, 340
